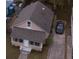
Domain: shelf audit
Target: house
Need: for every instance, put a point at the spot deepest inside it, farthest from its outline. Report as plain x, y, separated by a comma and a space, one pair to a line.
32, 27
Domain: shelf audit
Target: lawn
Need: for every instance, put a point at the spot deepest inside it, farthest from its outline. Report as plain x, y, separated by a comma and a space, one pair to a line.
39, 55
11, 51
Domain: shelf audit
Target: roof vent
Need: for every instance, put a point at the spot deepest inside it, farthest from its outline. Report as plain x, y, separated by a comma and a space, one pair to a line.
43, 8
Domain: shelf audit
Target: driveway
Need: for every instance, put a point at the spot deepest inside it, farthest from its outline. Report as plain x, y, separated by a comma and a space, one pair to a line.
56, 50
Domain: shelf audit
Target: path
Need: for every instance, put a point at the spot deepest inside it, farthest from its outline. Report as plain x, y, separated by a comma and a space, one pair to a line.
22, 56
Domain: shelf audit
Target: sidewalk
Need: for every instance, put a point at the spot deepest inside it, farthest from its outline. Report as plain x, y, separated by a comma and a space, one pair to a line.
22, 56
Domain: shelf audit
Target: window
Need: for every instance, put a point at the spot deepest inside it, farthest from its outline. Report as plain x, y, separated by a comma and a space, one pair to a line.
31, 42
34, 43
20, 40
37, 44
29, 23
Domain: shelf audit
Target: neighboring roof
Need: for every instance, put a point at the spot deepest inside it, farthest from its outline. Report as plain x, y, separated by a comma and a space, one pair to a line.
32, 35
37, 13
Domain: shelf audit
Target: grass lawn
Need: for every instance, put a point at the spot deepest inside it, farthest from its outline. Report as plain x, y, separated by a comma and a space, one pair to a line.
39, 55
11, 51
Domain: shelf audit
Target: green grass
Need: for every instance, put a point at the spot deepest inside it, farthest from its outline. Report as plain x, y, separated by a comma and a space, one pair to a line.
11, 51
39, 55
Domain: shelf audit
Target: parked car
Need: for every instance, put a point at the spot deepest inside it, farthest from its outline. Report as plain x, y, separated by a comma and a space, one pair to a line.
59, 29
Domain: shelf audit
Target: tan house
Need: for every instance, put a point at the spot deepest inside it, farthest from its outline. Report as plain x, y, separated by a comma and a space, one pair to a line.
32, 27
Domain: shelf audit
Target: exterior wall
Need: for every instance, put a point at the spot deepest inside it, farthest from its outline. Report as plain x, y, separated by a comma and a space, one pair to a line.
37, 48
15, 43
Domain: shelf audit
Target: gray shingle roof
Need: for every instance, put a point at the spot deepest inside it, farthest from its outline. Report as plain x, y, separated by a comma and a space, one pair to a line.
38, 13
28, 34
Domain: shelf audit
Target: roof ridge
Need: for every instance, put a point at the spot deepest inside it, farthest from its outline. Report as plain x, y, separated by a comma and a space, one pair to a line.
30, 29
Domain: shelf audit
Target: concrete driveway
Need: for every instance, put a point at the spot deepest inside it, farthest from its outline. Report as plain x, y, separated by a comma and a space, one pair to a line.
56, 50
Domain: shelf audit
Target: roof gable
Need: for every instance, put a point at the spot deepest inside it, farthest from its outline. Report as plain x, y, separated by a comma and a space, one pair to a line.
32, 26
37, 13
